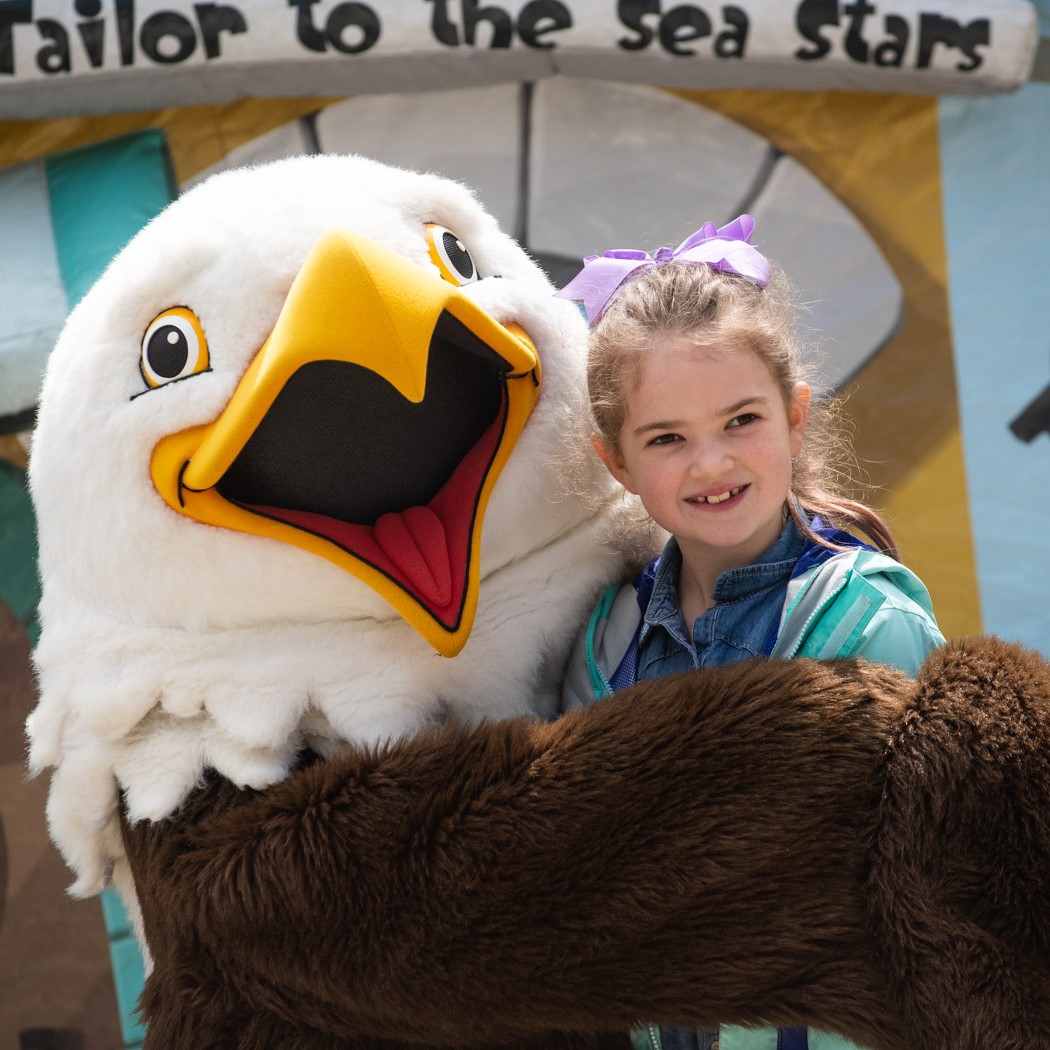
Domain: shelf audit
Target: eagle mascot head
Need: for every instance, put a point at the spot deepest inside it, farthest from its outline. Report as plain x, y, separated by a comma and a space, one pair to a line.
306, 438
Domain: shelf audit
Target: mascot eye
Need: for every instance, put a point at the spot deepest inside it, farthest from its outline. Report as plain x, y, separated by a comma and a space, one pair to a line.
450, 256
173, 347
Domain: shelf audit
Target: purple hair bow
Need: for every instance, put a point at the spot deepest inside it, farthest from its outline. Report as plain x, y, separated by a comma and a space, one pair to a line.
725, 248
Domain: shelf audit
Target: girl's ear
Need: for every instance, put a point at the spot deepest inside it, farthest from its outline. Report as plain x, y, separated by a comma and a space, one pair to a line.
798, 413
613, 461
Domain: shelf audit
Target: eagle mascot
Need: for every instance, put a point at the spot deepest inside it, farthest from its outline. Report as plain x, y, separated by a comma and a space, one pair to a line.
314, 544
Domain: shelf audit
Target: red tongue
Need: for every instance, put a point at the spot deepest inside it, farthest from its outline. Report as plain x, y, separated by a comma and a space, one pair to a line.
416, 544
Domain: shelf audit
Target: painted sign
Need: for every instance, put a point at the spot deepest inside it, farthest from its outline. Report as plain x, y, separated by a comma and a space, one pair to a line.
61, 57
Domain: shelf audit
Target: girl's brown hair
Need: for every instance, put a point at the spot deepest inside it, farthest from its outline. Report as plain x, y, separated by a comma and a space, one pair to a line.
712, 308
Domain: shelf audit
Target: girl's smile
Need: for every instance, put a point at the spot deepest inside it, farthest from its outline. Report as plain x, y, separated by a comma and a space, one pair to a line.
707, 444
718, 498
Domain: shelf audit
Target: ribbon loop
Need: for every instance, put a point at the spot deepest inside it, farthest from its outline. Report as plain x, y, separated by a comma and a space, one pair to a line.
724, 248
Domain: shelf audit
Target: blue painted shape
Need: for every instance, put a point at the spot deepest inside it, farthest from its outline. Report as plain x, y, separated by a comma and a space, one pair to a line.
101, 196
995, 159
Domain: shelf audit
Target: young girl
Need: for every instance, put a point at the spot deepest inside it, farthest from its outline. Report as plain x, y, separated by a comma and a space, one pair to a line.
701, 410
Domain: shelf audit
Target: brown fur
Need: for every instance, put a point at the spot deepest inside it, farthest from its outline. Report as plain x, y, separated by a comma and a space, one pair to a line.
961, 860
785, 843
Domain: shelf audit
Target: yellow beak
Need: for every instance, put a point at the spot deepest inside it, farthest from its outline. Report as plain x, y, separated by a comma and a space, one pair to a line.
369, 429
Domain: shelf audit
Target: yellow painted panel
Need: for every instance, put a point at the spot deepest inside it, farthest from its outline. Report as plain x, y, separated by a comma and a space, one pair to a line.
12, 449
198, 136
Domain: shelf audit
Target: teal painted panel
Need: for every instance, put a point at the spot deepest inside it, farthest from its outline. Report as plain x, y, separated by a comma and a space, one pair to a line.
129, 976
116, 918
61, 221
101, 196
129, 972
19, 584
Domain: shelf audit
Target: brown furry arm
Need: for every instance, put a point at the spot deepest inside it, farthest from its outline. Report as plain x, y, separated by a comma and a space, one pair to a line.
960, 876
693, 849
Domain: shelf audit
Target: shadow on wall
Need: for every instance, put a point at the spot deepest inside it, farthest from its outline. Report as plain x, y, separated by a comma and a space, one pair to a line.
58, 989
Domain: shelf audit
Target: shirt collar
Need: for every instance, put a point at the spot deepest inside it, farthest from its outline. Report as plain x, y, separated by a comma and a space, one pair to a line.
774, 565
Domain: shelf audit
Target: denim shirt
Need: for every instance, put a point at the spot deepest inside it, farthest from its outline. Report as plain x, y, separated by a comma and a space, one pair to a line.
748, 604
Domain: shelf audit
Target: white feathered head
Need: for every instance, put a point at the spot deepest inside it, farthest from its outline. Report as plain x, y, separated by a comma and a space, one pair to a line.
305, 433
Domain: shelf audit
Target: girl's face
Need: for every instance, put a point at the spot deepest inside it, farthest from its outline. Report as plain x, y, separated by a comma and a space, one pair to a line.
707, 444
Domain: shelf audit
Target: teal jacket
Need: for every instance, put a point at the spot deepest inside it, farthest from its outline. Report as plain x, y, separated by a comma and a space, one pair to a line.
857, 603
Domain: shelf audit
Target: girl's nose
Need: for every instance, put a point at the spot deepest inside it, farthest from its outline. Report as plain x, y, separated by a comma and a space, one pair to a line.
710, 459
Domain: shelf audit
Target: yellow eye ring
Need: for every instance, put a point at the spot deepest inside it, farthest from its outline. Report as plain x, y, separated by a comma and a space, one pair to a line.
449, 254
174, 347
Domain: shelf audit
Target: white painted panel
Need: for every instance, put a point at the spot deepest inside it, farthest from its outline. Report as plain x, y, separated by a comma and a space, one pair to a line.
471, 134
33, 295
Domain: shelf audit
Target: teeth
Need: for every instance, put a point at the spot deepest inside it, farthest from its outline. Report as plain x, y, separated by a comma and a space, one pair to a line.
720, 498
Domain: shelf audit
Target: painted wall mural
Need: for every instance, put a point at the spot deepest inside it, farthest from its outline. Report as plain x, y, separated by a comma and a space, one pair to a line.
909, 202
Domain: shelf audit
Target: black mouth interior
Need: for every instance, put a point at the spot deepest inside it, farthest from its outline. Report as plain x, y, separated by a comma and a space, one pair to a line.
339, 440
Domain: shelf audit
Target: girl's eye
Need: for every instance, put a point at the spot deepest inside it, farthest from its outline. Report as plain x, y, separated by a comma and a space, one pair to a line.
664, 439
743, 419
174, 347
449, 254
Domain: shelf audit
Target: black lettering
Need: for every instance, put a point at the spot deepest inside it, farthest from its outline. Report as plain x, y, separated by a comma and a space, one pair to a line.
55, 57
93, 36
168, 25
305, 31
358, 17
12, 12
891, 52
441, 26
856, 45
730, 43
935, 29
681, 24
631, 13
92, 33
539, 17
215, 19
502, 26
126, 30
810, 17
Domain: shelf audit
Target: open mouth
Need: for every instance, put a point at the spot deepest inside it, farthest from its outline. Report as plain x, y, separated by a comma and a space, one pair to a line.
343, 456
369, 429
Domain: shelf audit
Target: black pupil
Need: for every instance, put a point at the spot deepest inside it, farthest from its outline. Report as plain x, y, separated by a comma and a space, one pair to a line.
168, 351
457, 255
